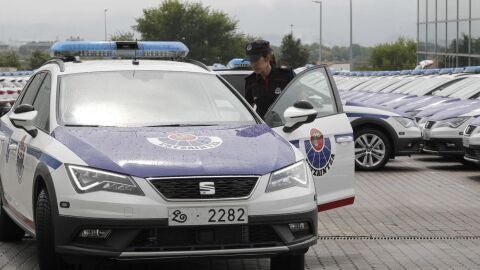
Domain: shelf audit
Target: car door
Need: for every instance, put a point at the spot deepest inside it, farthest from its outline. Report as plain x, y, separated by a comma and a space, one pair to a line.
18, 160
326, 142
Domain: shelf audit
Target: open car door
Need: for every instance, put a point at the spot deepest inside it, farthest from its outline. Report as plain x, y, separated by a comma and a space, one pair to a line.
309, 114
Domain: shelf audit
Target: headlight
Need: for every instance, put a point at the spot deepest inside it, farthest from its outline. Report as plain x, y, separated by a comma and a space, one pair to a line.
291, 176
452, 122
404, 121
421, 120
89, 180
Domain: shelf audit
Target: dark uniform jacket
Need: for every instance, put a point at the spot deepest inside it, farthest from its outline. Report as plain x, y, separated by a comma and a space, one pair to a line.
264, 92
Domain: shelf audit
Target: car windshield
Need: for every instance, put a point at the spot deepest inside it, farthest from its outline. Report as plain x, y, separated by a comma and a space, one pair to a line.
456, 88
148, 98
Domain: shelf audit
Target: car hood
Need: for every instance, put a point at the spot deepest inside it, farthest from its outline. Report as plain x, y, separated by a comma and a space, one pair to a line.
433, 109
454, 112
179, 151
424, 101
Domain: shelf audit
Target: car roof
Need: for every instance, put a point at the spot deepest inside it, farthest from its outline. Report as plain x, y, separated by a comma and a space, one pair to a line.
233, 72
119, 65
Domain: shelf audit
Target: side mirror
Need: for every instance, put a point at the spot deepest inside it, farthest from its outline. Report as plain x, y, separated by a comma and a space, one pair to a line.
23, 117
301, 113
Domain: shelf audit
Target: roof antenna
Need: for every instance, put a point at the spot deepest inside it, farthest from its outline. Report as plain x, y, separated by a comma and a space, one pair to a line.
135, 60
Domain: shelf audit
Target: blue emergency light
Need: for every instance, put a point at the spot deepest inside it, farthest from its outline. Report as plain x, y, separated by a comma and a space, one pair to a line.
432, 71
458, 70
120, 49
393, 73
473, 69
406, 72
417, 72
218, 66
238, 63
446, 71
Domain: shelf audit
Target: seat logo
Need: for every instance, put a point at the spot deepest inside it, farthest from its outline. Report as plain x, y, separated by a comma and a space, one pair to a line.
207, 188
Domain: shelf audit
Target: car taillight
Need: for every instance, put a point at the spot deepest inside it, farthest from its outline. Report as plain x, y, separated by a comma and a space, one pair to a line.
2, 92
10, 92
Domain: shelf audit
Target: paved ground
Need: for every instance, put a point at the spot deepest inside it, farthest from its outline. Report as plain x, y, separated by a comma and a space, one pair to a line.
418, 213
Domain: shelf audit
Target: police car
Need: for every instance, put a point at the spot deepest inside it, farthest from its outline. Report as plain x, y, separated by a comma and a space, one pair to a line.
443, 132
471, 141
159, 159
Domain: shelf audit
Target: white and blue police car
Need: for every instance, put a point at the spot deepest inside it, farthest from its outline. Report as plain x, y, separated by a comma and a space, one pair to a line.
158, 159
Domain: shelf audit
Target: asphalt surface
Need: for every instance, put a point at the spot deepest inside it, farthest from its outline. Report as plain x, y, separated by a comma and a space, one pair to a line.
418, 213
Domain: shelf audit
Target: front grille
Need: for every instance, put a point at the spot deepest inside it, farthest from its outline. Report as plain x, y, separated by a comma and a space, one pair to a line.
205, 238
429, 124
470, 129
189, 188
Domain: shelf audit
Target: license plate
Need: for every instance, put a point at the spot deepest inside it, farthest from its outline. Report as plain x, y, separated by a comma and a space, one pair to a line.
207, 216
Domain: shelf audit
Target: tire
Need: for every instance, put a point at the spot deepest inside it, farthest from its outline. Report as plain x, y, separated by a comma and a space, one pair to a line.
288, 262
9, 230
372, 149
48, 259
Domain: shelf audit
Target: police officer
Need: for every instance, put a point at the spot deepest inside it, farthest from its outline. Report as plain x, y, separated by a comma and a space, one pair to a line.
267, 81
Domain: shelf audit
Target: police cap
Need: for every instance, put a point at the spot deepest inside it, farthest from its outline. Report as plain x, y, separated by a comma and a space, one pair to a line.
257, 49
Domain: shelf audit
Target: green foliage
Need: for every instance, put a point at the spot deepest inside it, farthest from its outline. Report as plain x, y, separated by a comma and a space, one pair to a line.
394, 56
122, 36
210, 35
293, 54
37, 58
9, 59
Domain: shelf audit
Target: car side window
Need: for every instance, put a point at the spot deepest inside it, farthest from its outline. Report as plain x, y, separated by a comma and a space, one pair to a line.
312, 86
30, 92
42, 104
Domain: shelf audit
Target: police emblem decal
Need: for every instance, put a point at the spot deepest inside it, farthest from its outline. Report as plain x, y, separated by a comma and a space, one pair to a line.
278, 91
22, 148
320, 152
186, 141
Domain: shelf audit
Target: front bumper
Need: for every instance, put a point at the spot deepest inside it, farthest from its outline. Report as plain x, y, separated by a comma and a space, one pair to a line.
265, 235
444, 146
472, 153
408, 146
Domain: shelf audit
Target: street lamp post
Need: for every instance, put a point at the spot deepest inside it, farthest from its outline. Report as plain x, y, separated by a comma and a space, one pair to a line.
105, 17
320, 44
351, 37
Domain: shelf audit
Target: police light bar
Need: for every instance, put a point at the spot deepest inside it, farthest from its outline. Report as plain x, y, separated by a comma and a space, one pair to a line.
431, 71
446, 71
393, 73
473, 69
417, 72
458, 70
238, 63
120, 49
406, 72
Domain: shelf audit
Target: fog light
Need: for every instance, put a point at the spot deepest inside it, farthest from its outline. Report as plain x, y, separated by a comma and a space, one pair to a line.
298, 227
95, 233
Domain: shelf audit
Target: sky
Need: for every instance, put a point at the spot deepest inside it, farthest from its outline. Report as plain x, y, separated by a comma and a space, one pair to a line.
374, 21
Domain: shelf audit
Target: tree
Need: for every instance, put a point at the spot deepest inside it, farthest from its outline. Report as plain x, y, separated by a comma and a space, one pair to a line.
37, 58
394, 56
122, 36
9, 59
209, 34
293, 53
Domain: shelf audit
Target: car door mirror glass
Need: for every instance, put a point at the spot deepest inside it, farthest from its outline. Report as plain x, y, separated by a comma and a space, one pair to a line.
23, 108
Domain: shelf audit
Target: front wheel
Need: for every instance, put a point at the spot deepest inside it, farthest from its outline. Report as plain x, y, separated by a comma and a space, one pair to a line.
372, 149
48, 259
288, 262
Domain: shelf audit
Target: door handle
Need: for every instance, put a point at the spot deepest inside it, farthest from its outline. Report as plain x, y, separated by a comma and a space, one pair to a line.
12, 147
344, 139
